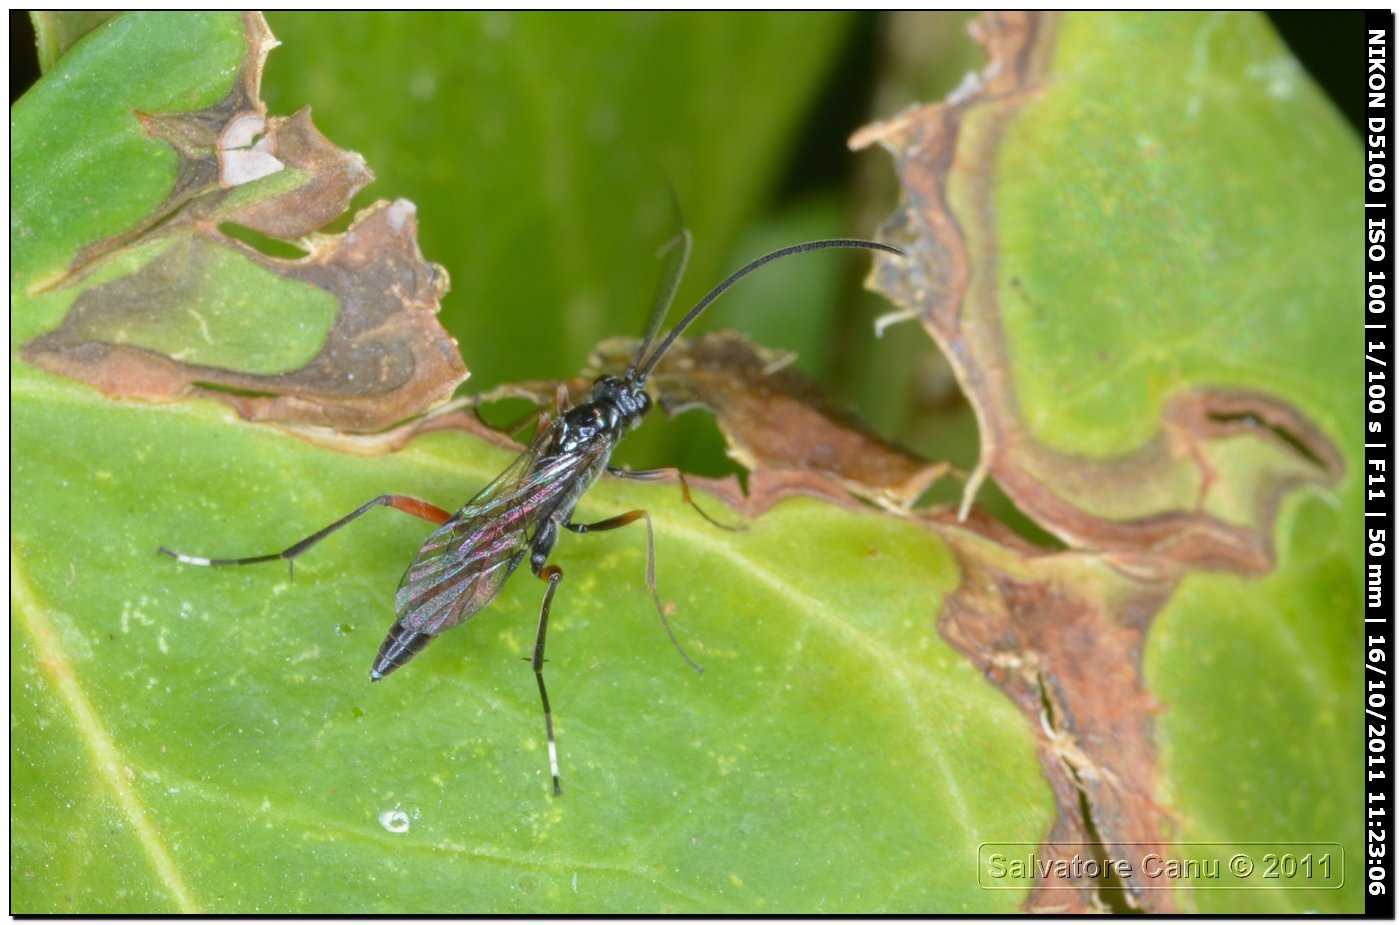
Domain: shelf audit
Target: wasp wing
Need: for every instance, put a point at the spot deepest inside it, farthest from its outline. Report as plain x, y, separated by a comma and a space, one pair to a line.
465, 562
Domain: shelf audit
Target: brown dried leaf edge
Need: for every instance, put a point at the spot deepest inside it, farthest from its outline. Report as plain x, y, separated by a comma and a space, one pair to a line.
385, 357
1062, 633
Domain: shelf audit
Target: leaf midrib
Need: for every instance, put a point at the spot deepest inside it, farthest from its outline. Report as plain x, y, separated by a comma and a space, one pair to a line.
102, 749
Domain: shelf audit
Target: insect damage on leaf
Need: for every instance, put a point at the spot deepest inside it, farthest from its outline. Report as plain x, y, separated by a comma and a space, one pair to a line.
1062, 633
778, 424
344, 337
1162, 500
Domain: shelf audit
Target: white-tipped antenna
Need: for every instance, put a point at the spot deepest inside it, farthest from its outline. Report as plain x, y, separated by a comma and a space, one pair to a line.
640, 375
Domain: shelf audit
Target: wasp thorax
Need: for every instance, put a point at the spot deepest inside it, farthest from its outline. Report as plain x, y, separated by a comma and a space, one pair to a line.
628, 400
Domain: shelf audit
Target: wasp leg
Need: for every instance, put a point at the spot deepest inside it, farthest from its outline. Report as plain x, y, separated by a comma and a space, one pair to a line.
622, 520
429, 512
659, 475
552, 574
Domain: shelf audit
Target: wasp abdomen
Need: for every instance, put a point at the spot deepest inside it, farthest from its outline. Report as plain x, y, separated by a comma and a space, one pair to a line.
397, 649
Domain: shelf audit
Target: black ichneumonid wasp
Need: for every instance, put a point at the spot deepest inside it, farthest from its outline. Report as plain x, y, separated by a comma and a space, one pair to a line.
465, 562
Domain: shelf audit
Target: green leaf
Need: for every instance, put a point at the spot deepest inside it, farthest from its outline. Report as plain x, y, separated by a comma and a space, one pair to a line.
1221, 183
345, 336
1139, 291
55, 31
110, 160
225, 721
1224, 183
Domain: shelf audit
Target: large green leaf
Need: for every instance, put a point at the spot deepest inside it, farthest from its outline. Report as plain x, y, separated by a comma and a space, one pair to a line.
1225, 186
221, 727
1133, 238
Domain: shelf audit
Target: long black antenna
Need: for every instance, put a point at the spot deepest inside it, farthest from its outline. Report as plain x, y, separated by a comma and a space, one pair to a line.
675, 253
739, 274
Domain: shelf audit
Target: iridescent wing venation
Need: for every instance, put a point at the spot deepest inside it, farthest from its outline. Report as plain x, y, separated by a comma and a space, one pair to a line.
465, 562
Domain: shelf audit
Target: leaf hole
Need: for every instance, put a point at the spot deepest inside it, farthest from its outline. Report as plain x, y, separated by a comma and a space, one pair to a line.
1246, 420
1000, 505
1113, 894
268, 247
231, 390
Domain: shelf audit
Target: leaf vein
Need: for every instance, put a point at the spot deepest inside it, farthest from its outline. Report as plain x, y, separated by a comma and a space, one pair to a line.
106, 757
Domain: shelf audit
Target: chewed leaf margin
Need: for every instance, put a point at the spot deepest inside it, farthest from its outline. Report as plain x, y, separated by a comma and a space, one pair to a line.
378, 356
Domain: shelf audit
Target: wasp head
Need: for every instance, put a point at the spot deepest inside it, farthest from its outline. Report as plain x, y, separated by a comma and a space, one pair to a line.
630, 401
